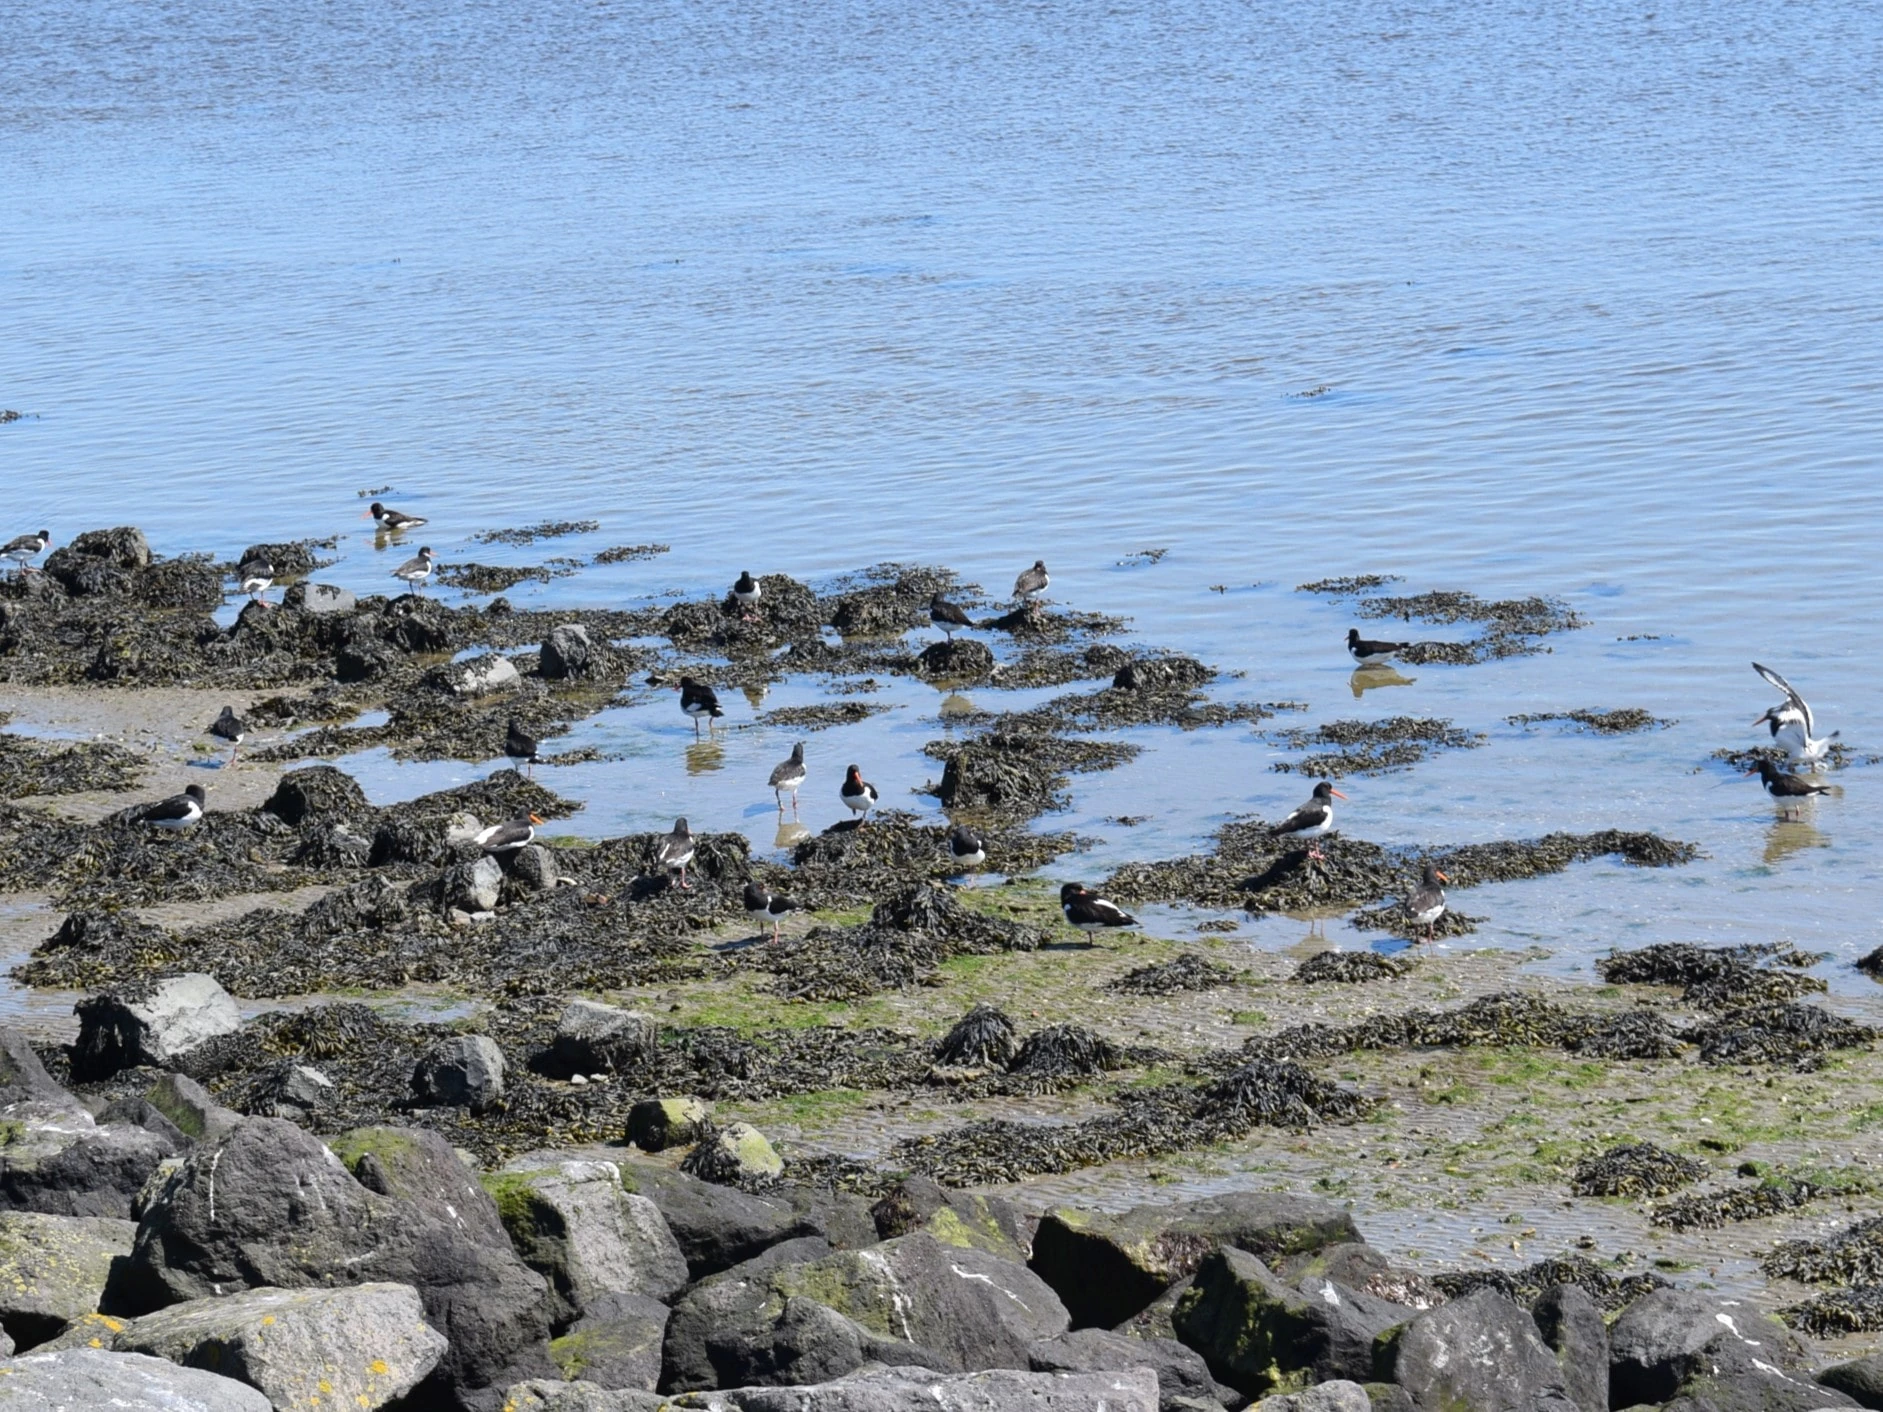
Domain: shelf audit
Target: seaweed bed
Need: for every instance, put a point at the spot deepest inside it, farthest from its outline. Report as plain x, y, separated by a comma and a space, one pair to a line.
1623, 721
1187, 972
1635, 1169
1371, 747
1508, 627
1709, 1210
1527, 1285
1717, 978
30, 767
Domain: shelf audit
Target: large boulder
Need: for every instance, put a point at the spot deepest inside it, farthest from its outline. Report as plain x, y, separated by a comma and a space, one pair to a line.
1572, 1325
53, 1269
1181, 1372
1260, 1335
593, 1038
80, 1379
188, 1107
920, 1203
1106, 1267
465, 1071
1669, 1336
270, 1205
156, 1022
568, 652
471, 885
23, 1078
54, 1158
1480, 1352
717, 1226
894, 1389
960, 1309
1861, 1379
356, 1347
615, 1344
590, 1239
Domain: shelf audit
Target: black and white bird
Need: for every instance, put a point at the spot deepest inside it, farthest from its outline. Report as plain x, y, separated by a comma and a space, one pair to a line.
1787, 788
1369, 653
789, 778
416, 570
676, 851
965, 848
177, 812
858, 793
1427, 903
510, 835
392, 521
1032, 583
768, 907
255, 578
700, 703
1091, 913
1792, 725
1312, 820
947, 616
521, 748
746, 593
25, 548
229, 727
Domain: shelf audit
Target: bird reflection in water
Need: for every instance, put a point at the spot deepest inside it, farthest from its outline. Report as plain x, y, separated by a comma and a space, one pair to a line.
1784, 837
791, 835
955, 704
1365, 679
755, 694
705, 756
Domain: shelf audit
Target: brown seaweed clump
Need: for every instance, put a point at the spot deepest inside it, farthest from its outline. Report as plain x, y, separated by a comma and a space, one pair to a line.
1717, 978
1349, 968
1852, 1256
1371, 747
1635, 1169
1857, 1310
1527, 1285
1623, 721
846, 866
529, 534
33, 767
1710, 1210
1637, 1034
981, 1039
1799, 1035
1188, 972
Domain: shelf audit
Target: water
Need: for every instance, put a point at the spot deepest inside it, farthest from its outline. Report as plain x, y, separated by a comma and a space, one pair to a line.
1592, 294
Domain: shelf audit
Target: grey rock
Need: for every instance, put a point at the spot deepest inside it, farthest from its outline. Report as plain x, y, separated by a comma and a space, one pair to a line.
303, 1088
1361, 1267
23, 1079
541, 1396
590, 1239
471, 885
1669, 1336
1481, 1352
989, 1223
1389, 1397
717, 1226
615, 1344
531, 869
483, 675
1860, 1379
1107, 1267
156, 1023
56, 1159
188, 1106
1155, 1320
322, 600
138, 1112
593, 1038
357, 1347
1572, 1325
734, 1155
53, 1269
1336, 1396
1756, 1391
1181, 1372
1253, 1330
655, 1124
462, 1072
842, 1217
81, 1379
270, 1205
568, 652
893, 1389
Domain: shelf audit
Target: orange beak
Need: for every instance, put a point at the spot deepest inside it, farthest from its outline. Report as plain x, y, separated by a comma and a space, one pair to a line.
1440, 876
1337, 794
536, 819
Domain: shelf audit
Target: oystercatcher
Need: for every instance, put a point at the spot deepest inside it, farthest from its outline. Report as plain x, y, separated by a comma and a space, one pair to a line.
255, 578
521, 748
1312, 819
510, 835
392, 521
858, 793
416, 570
26, 548
1091, 913
1427, 903
1792, 723
1031, 583
699, 702
676, 851
965, 849
947, 616
770, 907
230, 727
1785, 787
1367, 652
176, 813
789, 776
746, 593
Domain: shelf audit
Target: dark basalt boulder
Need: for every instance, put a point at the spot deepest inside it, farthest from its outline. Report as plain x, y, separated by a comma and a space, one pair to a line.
1669, 1337
1481, 1352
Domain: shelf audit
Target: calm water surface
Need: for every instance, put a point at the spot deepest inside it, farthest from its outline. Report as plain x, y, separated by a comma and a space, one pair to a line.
1514, 298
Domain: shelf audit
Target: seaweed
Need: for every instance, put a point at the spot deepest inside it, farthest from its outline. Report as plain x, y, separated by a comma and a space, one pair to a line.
1527, 1285
1851, 1256
1635, 1169
1710, 1210
1623, 721
1348, 968
1371, 747
1799, 1035
1188, 972
1717, 978
1857, 1310
553, 529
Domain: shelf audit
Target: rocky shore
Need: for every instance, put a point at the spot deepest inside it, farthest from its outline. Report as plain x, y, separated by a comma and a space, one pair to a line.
928, 1151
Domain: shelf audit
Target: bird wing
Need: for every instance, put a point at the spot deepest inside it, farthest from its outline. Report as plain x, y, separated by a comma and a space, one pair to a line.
1108, 912
20, 542
1797, 702
1306, 817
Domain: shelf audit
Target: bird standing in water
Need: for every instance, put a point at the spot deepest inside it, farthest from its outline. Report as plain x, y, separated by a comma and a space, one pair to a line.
700, 702
1787, 788
789, 776
521, 748
1427, 903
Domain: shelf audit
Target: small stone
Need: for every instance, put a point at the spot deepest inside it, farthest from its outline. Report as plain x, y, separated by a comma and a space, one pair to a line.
465, 1072
655, 1124
567, 651
579, 1080
736, 1153
483, 676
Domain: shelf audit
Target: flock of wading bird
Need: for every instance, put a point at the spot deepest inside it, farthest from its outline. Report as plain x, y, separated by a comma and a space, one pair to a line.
1792, 726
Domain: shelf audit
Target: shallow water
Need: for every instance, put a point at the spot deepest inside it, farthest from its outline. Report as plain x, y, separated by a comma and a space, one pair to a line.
1592, 294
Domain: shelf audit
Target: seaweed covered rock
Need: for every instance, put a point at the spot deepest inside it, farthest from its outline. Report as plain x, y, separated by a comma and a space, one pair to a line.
735, 1155
1638, 1034
317, 792
98, 562
655, 1124
156, 1022
964, 660
1635, 1169
1481, 1352
1109, 1266
1177, 976
1348, 968
981, 1039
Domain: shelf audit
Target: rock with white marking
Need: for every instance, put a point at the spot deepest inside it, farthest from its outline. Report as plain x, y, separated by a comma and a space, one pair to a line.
80, 1379
893, 1389
1669, 1339
1480, 1352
